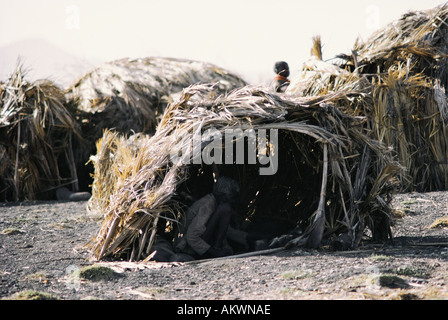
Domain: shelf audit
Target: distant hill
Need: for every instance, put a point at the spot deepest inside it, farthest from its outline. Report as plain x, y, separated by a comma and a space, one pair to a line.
43, 60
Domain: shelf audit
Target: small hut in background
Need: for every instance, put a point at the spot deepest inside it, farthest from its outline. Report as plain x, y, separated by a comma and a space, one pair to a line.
131, 94
332, 179
36, 140
398, 80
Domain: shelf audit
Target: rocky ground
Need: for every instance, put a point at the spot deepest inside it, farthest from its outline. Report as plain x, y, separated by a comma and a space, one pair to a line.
42, 252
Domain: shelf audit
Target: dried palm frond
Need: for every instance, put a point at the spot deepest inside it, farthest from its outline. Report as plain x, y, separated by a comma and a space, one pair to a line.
316, 49
154, 188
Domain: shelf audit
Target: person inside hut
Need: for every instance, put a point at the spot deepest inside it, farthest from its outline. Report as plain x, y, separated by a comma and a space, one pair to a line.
281, 81
206, 230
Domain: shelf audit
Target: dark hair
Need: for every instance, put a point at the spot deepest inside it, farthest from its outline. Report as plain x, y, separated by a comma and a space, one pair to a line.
281, 68
226, 190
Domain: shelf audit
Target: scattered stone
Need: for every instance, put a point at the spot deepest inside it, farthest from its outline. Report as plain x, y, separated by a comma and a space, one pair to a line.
64, 194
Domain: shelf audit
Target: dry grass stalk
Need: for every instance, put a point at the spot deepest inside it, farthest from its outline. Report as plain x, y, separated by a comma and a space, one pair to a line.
316, 49
154, 190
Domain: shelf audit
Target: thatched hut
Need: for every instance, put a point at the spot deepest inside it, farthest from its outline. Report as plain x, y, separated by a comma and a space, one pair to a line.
330, 178
36, 134
397, 79
130, 94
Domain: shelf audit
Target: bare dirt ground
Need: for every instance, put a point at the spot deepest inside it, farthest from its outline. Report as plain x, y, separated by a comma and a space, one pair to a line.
42, 248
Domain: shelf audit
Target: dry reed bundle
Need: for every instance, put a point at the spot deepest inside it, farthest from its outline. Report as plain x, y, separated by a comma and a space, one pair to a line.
332, 178
111, 164
36, 132
397, 79
407, 117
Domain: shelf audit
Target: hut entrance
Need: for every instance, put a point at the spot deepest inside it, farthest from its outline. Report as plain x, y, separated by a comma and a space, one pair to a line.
269, 205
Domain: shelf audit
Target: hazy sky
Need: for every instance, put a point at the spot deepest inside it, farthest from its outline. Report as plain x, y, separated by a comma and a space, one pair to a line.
244, 36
